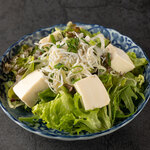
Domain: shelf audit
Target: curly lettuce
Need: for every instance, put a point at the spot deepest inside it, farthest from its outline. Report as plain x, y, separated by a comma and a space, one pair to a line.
65, 111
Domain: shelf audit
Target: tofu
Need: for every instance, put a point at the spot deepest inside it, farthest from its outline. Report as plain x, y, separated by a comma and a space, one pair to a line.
57, 35
93, 93
28, 88
120, 61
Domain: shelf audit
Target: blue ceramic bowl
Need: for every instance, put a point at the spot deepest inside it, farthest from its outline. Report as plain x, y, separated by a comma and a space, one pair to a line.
116, 39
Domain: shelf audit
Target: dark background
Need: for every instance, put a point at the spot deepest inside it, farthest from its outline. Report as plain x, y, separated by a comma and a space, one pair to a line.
130, 17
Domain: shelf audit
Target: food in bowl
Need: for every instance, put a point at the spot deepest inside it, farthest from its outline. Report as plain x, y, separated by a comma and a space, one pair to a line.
76, 81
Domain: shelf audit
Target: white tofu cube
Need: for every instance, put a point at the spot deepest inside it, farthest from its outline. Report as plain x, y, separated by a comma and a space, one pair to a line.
57, 35
27, 89
120, 61
93, 93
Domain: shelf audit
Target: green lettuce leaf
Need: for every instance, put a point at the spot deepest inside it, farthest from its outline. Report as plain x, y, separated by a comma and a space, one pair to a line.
138, 62
54, 111
30, 68
89, 119
46, 95
127, 96
105, 118
67, 113
124, 90
11, 93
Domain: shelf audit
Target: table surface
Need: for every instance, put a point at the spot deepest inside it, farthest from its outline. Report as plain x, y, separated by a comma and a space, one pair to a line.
130, 17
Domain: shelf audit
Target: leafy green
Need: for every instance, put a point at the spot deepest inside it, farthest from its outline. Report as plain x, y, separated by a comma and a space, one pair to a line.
54, 112
11, 93
30, 119
108, 59
52, 39
30, 69
140, 79
9, 90
138, 62
12, 99
107, 80
88, 119
21, 61
46, 95
124, 91
85, 32
127, 96
104, 118
66, 113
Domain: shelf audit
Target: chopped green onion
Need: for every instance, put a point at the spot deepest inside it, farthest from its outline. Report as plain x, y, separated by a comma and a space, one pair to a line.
53, 38
92, 42
85, 41
58, 66
80, 67
72, 44
74, 80
106, 42
60, 46
108, 59
65, 68
94, 50
94, 34
99, 44
47, 48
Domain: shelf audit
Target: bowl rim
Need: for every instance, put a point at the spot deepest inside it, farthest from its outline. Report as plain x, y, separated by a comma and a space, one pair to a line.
75, 137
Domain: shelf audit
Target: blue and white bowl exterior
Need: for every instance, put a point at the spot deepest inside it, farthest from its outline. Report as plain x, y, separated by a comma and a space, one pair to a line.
116, 39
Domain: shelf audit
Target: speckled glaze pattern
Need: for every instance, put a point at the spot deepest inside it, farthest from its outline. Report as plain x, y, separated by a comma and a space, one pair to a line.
116, 39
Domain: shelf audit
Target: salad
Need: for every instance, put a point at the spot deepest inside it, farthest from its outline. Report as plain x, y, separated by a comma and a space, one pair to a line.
76, 81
